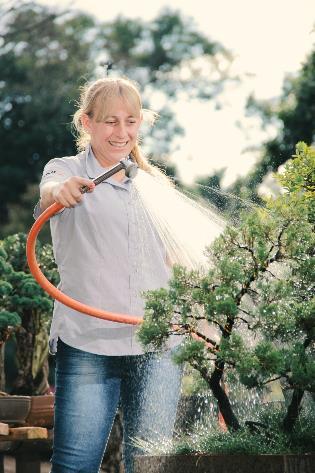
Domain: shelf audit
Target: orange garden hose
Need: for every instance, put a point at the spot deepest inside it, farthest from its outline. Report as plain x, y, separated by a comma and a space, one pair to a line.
52, 290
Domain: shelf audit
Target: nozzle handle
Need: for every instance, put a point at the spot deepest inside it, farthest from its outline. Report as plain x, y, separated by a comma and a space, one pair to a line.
129, 167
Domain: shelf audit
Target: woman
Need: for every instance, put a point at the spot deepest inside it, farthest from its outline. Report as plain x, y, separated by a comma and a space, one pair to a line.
108, 253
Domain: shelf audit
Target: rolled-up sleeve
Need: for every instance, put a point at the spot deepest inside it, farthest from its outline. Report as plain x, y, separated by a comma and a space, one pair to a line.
56, 170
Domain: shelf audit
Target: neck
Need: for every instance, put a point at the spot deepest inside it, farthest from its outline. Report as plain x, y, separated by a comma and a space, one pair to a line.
104, 162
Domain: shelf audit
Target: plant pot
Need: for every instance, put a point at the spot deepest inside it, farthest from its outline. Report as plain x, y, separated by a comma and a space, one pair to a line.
206, 463
41, 413
14, 409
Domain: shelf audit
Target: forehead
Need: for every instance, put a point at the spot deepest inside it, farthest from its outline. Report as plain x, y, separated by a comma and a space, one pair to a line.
120, 108
116, 107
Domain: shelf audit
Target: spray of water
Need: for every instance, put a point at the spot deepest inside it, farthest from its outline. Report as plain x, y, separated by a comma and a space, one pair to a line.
165, 223
184, 226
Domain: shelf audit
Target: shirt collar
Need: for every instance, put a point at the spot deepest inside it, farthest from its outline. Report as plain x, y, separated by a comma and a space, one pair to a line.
94, 169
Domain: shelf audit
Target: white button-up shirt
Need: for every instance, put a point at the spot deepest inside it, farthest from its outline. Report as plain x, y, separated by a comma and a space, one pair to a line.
107, 252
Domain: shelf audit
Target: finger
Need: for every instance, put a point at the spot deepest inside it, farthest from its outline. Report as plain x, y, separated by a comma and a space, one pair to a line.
74, 199
87, 188
77, 196
68, 199
85, 182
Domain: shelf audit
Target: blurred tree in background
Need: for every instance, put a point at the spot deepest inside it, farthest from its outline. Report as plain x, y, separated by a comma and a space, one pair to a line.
293, 114
41, 65
46, 54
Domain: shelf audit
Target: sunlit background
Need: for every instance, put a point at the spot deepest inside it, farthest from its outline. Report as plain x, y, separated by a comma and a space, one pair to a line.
268, 40
233, 83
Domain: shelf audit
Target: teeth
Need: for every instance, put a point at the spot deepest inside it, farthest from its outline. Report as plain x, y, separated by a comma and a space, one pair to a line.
118, 144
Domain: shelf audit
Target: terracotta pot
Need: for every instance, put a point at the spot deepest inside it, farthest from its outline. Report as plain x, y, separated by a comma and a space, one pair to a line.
41, 413
225, 463
14, 409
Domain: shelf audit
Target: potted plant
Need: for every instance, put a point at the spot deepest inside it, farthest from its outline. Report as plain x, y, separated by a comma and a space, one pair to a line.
13, 409
251, 317
25, 317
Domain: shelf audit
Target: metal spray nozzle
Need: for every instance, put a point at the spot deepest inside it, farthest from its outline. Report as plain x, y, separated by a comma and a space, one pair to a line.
129, 166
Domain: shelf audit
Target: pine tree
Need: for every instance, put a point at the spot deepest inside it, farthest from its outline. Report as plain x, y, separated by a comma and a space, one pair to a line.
253, 312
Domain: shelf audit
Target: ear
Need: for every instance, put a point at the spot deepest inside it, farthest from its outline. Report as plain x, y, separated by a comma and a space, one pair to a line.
86, 122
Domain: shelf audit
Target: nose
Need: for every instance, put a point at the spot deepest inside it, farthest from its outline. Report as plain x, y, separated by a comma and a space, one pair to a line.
121, 130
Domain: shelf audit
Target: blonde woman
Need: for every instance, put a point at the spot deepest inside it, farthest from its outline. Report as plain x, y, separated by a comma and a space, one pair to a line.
103, 261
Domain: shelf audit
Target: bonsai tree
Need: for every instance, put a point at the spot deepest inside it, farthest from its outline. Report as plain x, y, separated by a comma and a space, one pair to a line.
252, 313
8, 320
27, 309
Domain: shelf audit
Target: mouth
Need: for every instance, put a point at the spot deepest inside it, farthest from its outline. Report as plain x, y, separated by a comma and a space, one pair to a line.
118, 144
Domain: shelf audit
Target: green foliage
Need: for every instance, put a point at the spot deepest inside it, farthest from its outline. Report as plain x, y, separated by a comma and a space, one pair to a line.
267, 438
25, 308
155, 328
261, 437
9, 319
300, 173
191, 351
41, 66
253, 312
19, 291
260, 364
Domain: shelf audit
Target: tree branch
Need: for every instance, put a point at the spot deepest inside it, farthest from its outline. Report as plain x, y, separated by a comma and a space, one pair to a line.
273, 275
278, 254
271, 380
206, 339
243, 320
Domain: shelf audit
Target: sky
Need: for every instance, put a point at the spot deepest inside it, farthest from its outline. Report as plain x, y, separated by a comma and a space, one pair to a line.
269, 39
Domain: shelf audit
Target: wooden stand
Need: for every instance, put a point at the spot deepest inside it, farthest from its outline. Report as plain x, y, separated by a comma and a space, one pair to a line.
27, 444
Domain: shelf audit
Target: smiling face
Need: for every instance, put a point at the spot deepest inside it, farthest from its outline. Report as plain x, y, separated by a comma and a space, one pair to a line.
115, 133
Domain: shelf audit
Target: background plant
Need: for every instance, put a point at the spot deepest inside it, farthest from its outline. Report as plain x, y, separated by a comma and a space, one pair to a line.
27, 309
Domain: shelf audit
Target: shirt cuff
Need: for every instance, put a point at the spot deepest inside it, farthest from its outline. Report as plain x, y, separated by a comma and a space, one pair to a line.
37, 211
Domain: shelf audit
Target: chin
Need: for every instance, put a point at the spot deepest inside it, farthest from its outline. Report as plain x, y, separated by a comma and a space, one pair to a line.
122, 153
116, 157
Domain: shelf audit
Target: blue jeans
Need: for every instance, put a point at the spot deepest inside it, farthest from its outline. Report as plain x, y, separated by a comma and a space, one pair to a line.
88, 390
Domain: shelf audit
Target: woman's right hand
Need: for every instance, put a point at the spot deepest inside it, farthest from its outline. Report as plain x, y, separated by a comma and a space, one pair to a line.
69, 193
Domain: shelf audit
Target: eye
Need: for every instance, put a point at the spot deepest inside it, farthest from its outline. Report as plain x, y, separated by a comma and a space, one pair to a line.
110, 122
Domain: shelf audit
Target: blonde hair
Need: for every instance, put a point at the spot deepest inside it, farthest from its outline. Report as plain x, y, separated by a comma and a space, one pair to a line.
95, 100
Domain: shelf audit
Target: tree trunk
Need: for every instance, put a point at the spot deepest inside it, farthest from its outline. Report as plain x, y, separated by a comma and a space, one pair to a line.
221, 396
2, 372
293, 410
23, 385
28, 382
214, 382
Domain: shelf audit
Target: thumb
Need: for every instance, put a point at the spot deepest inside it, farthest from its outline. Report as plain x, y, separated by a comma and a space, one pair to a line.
87, 185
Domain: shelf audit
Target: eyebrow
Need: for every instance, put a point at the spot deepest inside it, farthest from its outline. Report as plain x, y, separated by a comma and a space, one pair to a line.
114, 116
